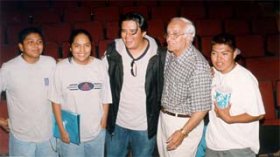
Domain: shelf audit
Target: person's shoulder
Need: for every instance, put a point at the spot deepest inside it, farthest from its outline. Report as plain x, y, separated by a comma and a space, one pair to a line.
244, 74
48, 59
12, 62
63, 62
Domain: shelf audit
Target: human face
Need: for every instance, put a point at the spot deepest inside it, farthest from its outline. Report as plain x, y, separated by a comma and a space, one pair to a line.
222, 57
132, 35
31, 47
177, 40
81, 49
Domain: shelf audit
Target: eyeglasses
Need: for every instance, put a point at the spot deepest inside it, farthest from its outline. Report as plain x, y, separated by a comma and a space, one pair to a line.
133, 68
129, 31
173, 36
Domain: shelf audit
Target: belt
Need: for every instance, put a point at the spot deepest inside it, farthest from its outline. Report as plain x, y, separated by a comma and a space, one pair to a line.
175, 114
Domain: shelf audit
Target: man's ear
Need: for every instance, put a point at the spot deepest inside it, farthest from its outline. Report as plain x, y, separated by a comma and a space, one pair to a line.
20, 46
235, 53
144, 33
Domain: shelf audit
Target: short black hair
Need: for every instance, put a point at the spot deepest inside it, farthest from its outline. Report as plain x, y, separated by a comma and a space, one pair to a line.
224, 38
76, 32
137, 17
26, 31
72, 37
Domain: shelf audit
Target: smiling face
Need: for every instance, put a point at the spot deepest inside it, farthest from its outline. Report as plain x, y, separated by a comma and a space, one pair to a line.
177, 39
81, 49
132, 35
222, 57
31, 47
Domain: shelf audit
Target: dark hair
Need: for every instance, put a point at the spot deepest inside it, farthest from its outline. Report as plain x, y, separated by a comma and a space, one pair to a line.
73, 35
138, 18
25, 32
224, 38
76, 32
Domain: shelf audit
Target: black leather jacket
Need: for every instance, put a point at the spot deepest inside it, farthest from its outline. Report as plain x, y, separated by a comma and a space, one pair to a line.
153, 87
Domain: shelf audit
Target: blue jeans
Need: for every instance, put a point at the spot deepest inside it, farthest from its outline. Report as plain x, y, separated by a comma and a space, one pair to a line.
31, 149
118, 144
92, 148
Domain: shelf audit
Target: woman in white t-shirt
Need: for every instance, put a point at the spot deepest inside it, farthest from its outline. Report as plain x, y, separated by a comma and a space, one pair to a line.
233, 130
81, 85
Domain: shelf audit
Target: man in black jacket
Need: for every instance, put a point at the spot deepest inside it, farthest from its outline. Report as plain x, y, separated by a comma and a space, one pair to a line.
135, 66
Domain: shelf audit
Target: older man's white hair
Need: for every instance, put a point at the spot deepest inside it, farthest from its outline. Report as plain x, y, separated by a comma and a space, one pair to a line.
190, 29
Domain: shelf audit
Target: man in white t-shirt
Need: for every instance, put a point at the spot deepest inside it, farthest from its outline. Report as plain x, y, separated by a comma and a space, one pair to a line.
26, 80
135, 72
233, 130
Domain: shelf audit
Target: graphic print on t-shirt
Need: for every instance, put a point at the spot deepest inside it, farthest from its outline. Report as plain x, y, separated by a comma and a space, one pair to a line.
85, 86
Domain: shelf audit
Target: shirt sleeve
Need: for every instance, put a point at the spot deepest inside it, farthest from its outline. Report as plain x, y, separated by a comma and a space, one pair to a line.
200, 91
55, 92
106, 90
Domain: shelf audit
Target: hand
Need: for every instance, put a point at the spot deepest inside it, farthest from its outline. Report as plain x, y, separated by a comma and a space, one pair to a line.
175, 140
103, 123
64, 137
223, 113
4, 124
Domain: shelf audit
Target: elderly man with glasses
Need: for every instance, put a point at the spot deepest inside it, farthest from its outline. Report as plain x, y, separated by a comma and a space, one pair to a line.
186, 96
135, 66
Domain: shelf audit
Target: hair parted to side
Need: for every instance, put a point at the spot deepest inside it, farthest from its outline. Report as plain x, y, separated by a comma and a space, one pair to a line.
29, 30
137, 17
224, 38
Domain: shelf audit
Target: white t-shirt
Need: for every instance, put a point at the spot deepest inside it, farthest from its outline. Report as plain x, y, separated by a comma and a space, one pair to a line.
26, 87
82, 89
245, 98
132, 107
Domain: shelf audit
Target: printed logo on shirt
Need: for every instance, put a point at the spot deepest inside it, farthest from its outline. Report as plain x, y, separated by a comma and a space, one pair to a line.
46, 81
85, 86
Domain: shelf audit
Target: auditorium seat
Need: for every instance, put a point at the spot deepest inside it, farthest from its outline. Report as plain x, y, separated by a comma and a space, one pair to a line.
2, 35
93, 4
272, 44
13, 17
140, 9
65, 49
58, 33
251, 45
205, 46
106, 14
120, 3
208, 27
264, 26
32, 5
112, 30
8, 52
278, 93
102, 46
237, 26
247, 10
77, 14
47, 16
266, 90
264, 68
220, 10
193, 12
165, 13
175, 3
156, 29
4, 136
52, 49
95, 28
64, 4
12, 32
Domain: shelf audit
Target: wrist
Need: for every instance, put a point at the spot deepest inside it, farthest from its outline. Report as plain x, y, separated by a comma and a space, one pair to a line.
184, 132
